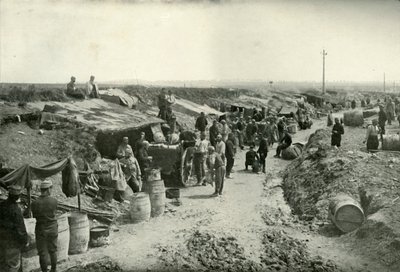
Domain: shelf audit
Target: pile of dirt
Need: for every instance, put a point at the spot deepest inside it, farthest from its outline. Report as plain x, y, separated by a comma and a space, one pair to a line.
322, 172
219, 253
205, 251
25, 145
99, 266
209, 252
283, 253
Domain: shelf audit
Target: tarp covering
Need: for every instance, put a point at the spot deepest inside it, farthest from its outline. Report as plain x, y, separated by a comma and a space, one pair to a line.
119, 97
105, 116
197, 108
23, 175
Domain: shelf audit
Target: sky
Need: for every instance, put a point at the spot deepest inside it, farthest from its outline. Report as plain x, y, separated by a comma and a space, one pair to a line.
50, 41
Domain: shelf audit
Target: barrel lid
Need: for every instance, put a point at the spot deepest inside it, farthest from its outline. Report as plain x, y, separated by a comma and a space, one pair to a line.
349, 217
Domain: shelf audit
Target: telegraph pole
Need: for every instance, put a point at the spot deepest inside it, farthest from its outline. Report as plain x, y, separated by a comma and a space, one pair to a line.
324, 53
384, 82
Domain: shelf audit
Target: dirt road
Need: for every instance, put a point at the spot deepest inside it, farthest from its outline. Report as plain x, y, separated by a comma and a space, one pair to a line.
252, 204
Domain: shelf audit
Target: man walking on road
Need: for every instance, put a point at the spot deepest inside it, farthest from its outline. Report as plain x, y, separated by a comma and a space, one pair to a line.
263, 151
13, 236
216, 165
230, 154
201, 148
382, 120
220, 147
337, 132
44, 210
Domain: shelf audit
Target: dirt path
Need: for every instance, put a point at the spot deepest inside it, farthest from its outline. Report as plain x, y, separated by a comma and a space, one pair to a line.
241, 212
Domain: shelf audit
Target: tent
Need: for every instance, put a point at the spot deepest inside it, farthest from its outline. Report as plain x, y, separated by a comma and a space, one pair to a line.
111, 121
23, 175
195, 108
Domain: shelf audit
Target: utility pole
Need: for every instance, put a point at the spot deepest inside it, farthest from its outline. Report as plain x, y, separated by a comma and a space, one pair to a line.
384, 82
324, 53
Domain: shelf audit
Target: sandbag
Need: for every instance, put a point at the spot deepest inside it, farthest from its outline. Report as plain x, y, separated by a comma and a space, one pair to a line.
70, 179
292, 152
353, 118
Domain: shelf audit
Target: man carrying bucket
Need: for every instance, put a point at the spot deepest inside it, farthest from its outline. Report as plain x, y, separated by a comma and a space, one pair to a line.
44, 210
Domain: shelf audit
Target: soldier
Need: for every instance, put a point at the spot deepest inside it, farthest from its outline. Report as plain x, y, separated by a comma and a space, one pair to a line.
44, 210
13, 235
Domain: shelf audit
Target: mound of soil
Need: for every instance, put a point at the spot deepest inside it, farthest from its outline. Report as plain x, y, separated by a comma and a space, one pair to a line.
219, 253
322, 172
283, 253
100, 266
208, 252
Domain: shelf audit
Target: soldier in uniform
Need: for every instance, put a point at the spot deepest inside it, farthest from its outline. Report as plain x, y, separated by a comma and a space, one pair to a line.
13, 235
46, 231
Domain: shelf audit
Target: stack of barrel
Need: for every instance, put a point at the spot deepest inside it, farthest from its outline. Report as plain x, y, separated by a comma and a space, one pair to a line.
154, 186
151, 202
73, 235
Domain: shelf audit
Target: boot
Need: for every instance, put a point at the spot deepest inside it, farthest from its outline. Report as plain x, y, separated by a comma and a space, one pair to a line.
53, 261
43, 263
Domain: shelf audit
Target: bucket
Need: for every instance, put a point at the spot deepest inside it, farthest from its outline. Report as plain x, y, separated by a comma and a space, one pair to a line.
106, 193
140, 208
346, 213
153, 174
79, 233
156, 190
173, 193
99, 236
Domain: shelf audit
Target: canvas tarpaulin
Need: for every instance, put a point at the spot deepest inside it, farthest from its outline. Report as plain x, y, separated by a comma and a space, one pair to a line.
23, 175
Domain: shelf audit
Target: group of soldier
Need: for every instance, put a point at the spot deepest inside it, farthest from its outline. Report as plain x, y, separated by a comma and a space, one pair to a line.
91, 90
213, 159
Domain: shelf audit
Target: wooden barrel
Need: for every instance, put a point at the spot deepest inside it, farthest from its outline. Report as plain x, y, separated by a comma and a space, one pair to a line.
346, 213
63, 238
292, 152
391, 142
353, 118
140, 208
156, 190
79, 233
62, 241
369, 113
